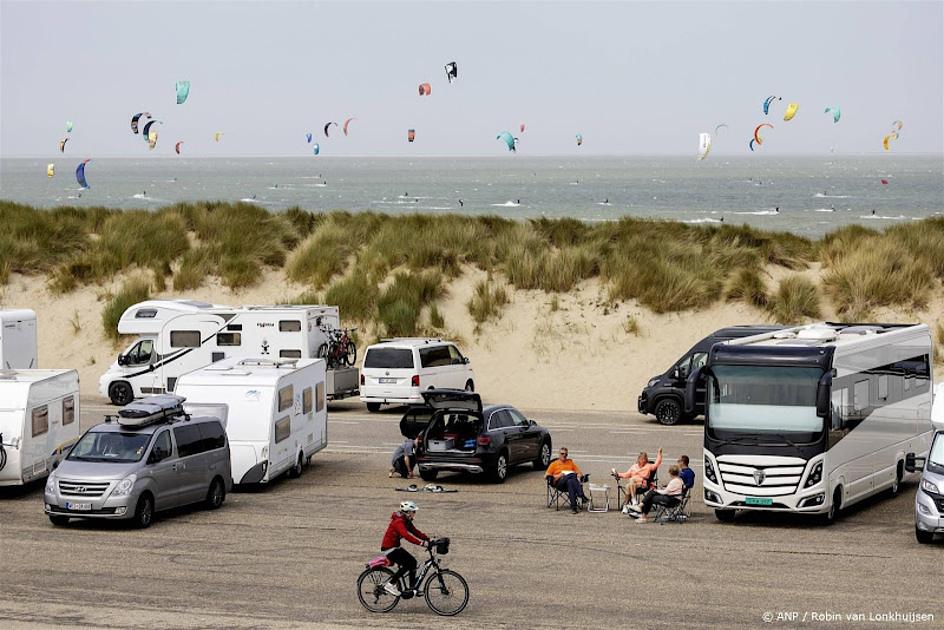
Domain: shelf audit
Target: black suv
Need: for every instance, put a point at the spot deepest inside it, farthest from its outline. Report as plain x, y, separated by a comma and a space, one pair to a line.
459, 434
664, 395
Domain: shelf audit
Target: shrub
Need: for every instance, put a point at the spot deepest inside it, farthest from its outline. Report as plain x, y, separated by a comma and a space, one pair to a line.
322, 256
132, 291
355, 296
401, 303
487, 302
195, 266
795, 298
631, 326
747, 286
435, 318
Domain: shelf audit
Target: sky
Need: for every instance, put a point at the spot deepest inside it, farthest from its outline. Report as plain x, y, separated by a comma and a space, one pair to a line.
631, 77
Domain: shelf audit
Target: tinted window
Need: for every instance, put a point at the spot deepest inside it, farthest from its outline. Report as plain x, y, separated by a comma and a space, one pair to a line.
319, 396
394, 358
499, 420
290, 325
455, 355
40, 420
145, 313
68, 410
435, 357
162, 447
229, 339
286, 394
185, 339
283, 429
290, 354
189, 440
517, 418
306, 400
213, 436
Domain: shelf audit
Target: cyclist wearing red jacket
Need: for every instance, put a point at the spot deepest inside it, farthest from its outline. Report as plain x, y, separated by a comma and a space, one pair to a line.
401, 527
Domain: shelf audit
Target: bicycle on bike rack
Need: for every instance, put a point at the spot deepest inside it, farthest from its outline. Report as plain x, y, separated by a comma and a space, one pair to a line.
446, 592
339, 349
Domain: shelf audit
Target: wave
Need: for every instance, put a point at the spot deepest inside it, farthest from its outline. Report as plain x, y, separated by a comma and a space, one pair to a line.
604, 203
705, 220
822, 196
760, 212
398, 202
250, 200
436, 208
320, 185
824, 209
900, 217
507, 204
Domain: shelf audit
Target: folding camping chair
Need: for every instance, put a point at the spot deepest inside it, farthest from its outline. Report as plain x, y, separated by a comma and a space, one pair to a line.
622, 492
676, 513
555, 496
599, 497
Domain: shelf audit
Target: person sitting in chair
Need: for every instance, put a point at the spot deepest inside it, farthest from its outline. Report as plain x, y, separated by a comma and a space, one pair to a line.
668, 496
687, 474
565, 475
640, 475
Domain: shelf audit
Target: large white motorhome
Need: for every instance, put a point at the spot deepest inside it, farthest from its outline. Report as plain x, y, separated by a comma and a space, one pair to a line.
276, 412
39, 422
814, 418
174, 337
18, 340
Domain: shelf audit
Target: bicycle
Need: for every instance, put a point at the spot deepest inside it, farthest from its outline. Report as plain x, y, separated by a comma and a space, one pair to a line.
340, 348
446, 592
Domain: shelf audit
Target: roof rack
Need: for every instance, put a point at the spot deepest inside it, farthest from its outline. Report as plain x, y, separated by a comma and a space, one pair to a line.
423, 339
150, 410
270, 363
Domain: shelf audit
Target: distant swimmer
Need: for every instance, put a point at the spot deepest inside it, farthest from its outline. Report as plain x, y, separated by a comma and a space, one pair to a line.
460, 203
873, 211
276, 185
518, 201
722, 219
777, 209
144, 193
832, 208
253, 197
607, 200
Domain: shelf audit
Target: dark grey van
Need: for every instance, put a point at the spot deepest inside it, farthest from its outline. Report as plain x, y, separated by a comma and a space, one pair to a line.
664, 394
151, 457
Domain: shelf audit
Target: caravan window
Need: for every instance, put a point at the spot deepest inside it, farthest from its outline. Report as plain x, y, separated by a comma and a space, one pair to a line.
319, 396
229, 339
290, 325
306, 400
860, 395
68, 410
283, 429
145, 313
185, 339
40, 420
883, 387
286, 395
290, 354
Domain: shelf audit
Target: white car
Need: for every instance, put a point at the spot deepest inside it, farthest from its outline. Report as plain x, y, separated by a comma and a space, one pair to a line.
396, 371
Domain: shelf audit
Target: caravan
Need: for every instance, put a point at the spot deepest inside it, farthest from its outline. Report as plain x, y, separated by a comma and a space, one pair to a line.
178, 336
276, 416
18, 340
39, 422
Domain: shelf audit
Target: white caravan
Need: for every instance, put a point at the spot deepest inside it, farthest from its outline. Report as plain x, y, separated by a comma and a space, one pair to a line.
814, 418
276, 416
18, 340
39, 422
174, 337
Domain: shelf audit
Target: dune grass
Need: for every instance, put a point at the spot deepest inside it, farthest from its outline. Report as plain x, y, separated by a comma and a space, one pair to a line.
133, 290
746, 285
796, 298
355, 296
487, 301
401, 304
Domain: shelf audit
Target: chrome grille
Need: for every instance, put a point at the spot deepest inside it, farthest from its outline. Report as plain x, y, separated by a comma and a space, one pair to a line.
761, 481
82, 488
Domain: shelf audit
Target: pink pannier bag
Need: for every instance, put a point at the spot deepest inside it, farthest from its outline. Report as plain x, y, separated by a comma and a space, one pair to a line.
379, 561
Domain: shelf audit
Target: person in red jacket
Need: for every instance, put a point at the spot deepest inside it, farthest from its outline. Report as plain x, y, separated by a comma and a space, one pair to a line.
401, 527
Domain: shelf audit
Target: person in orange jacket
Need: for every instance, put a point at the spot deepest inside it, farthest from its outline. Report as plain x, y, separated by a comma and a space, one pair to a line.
565, 475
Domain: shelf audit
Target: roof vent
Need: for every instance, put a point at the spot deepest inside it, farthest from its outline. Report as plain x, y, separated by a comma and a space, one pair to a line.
861, 330
785, 334
821, 333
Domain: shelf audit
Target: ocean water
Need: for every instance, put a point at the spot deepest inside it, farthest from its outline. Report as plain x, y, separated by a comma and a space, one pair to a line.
805, 195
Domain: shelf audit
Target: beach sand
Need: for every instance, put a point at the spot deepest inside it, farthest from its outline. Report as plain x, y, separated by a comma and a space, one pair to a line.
579, 356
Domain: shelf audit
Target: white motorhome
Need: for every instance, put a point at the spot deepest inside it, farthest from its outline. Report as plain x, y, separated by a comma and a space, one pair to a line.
276, 416
814, 418
174, 337
18, 340
39, 422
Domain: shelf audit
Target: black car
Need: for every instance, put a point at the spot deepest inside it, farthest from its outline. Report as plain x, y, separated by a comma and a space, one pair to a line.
459, 434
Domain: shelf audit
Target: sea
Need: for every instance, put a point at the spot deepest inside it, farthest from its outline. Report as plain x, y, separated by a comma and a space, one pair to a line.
804, 195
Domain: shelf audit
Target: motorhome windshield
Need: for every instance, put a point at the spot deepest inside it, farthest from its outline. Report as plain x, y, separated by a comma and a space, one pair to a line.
110, 446
936, 456
764, 401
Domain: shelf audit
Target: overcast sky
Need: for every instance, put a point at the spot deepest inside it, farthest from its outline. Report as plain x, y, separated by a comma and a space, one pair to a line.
632, 77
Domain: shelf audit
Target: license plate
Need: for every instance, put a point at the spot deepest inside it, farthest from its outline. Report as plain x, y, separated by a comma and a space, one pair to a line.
758, 501
78, 507
388, 381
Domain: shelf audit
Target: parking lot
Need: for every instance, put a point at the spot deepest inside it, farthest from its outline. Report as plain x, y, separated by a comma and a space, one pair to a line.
288, 555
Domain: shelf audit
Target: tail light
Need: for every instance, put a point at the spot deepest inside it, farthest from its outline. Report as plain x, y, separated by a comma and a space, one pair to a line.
415, 381
484, 440
362, 379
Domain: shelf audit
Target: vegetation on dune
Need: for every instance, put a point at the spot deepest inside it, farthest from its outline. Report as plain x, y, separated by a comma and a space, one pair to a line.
795, 299
134, 290
747, 285
355, 296
487, 301
401, 304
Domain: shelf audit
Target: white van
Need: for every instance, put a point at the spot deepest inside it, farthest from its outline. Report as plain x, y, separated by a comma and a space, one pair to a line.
178, 336
276, 416
39, 422
396, 371
18, 340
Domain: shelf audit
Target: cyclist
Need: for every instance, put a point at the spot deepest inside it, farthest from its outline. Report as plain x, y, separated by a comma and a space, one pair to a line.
401, 527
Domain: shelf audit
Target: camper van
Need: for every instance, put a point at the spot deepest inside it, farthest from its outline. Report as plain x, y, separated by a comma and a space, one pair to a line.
39, 422
18, 340
276, 416
929, 499
815, 418
173, 337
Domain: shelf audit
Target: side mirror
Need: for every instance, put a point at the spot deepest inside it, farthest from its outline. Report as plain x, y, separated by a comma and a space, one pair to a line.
465, 359
913, 464
823, 391
691, 386
676, 374
55, 464
122, 359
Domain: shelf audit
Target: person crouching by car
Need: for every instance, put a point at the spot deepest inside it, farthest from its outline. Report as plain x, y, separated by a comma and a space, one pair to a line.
565, 475
404, 458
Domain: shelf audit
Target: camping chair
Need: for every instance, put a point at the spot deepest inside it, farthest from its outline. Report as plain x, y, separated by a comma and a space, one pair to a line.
555, 496
622, 492
677, 513
599, 497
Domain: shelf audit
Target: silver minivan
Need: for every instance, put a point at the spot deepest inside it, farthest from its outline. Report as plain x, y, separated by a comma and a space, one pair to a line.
929, 500
151, 457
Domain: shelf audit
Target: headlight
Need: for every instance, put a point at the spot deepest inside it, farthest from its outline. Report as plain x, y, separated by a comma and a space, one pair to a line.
929, 486
710, 471
124, 486
653, 381
50, 484
816, 475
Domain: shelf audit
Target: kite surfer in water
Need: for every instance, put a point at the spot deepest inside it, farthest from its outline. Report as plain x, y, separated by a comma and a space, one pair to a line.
461, 204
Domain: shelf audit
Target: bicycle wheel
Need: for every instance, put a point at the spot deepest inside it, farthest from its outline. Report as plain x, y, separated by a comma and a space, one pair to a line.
446, 593
371, 593
322, 352
351, 357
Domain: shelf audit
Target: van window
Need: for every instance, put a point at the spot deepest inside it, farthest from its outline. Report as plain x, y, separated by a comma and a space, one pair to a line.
435, 357
290, 325
306, 400
455, 355
290, 354
283, 429
319, 396
185, 339
286, 395
40, 420
213, 436
189, 440
162, 448
229, 339
392, 358
68, 410
517, 418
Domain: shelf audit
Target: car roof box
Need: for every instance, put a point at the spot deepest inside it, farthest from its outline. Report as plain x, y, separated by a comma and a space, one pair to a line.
149, 410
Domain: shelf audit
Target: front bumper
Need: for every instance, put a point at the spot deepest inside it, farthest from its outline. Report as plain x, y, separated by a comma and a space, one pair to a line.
105, 506
642, 403
927, 514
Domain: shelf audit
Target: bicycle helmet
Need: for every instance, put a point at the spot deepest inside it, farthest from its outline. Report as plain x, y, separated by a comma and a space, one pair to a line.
407, 506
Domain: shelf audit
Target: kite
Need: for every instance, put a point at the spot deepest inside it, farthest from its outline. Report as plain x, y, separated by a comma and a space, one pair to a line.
452, 71
217, 136
152, 139
898, 125
425, 89
411, 134
835, 111
183, 91
767, 103
884, 182
521, 128
50, 170
308, 137
177, 147
704, 145
717, 127
346, 123
757, 137
80, 174
62, 145
316, 149
791, 111
891, 136
68, 126
508, 139
146, 132
135, 118
751, 145
579, 139
326, 128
